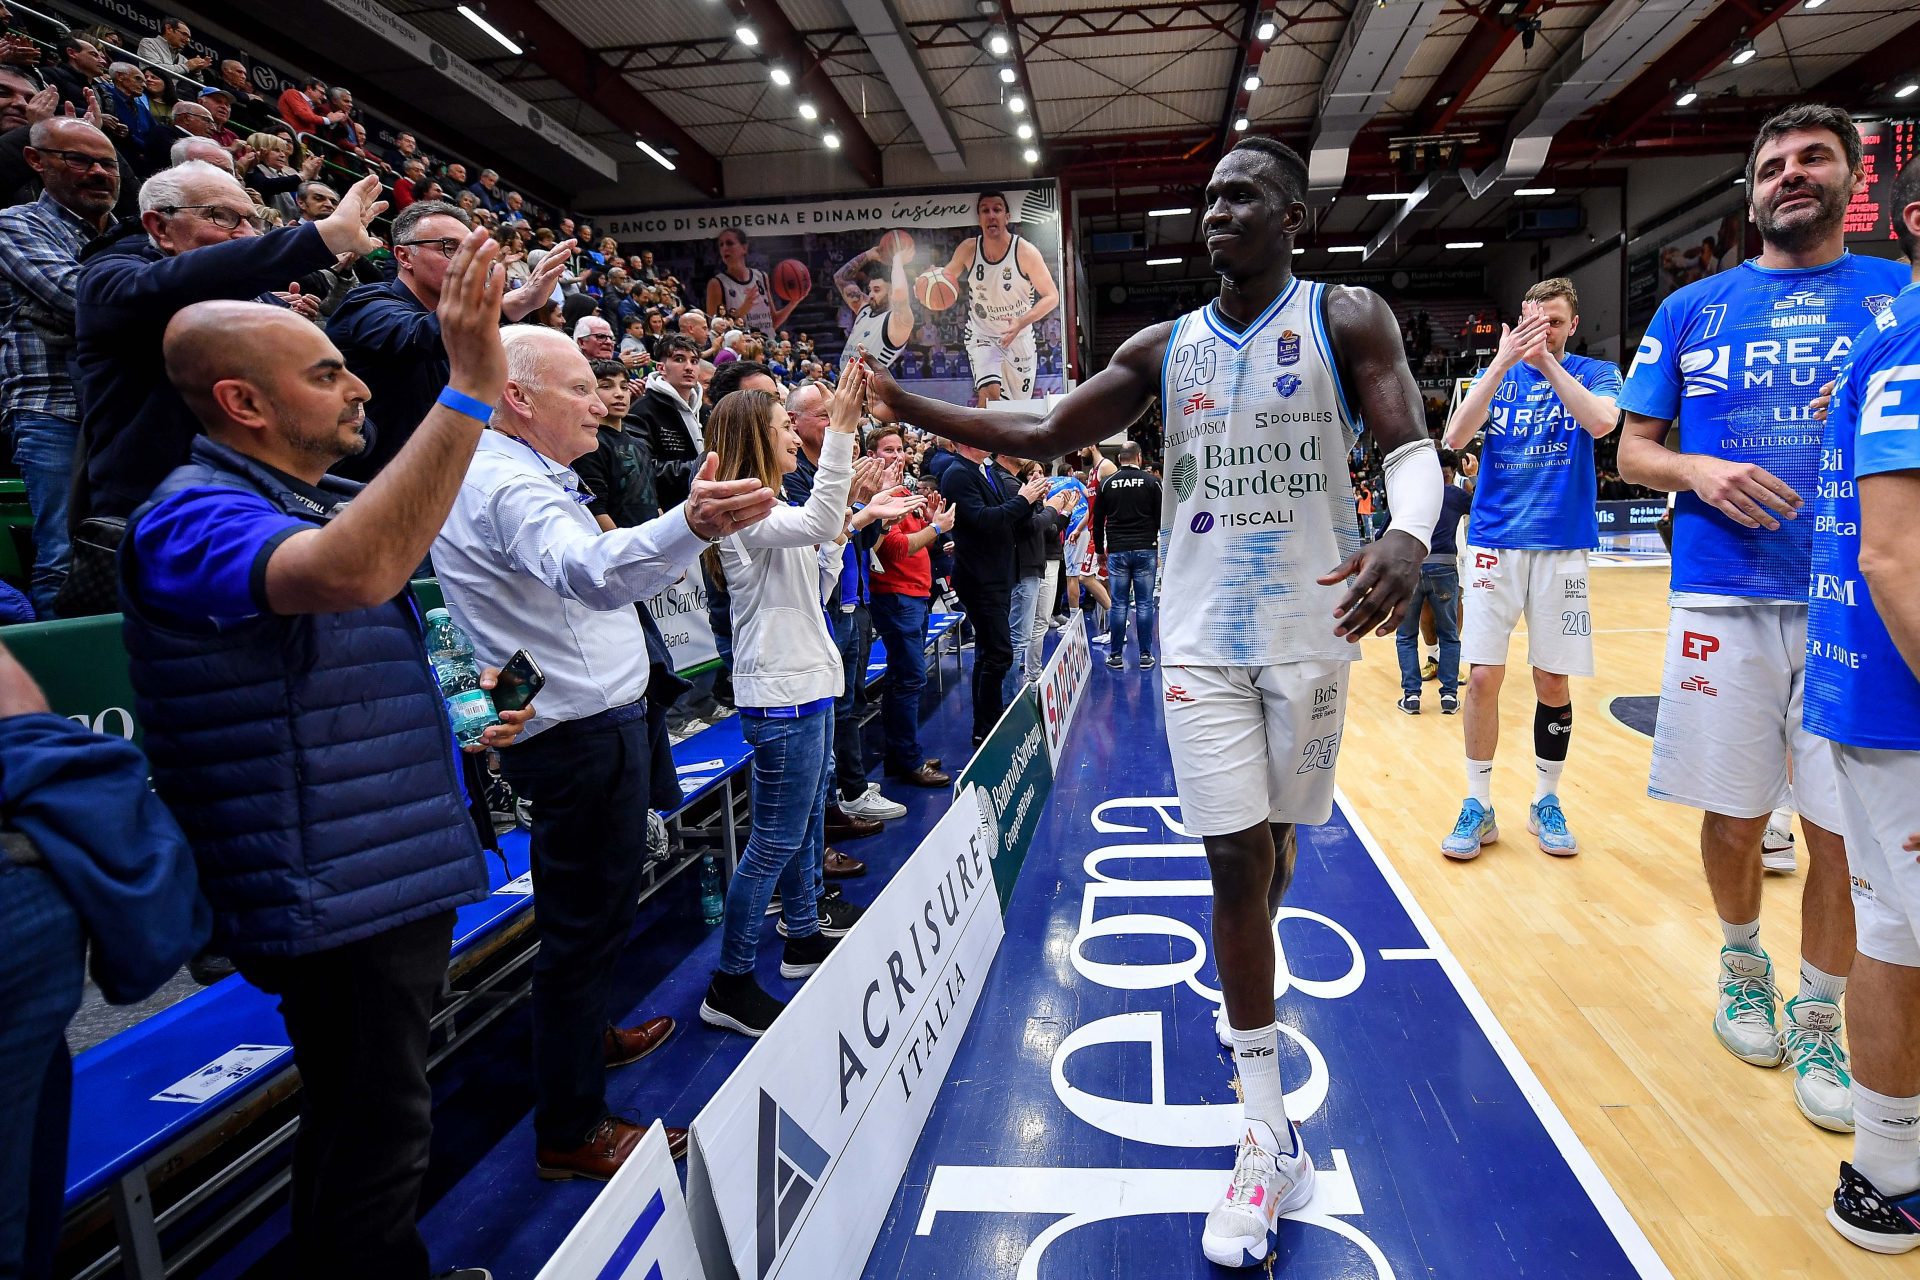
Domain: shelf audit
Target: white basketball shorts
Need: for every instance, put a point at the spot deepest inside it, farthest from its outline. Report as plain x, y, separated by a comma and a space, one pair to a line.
1498, 585
1880, 808
1254, 744
1012, 366
1729, 725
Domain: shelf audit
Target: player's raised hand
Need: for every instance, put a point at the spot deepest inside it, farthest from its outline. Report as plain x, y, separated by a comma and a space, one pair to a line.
469, 315
885, 397
1517, 340
1744, 492
716, 508
1384, 575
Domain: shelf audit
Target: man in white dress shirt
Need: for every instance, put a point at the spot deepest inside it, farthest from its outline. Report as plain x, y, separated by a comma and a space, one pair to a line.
524, 565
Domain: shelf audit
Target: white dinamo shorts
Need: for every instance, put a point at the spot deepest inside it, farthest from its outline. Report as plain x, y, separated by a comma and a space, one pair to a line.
1729, 722
1880, 808
1254, 744
1012, 366
1549, 587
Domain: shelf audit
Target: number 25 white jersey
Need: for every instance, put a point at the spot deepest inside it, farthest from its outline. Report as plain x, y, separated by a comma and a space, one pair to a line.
1257, 502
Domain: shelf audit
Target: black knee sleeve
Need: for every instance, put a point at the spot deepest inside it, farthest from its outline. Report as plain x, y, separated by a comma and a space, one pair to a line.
1552, 730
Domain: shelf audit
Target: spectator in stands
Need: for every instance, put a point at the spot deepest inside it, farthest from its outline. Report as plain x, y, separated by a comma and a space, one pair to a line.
411, 174
168, 50
272, 173
340, 128
405, 148
234, 79
486, 189
1126, 529
902, 591
248, 571
205, 150
787, 674
302, 105
429, 191
513, 209
670, 407
126, 98
219, 104
993, 510
40, 246
390, 334
196, 240
522, 563
91, 863
694, 325
646, 270
1026, 617
456, 174
189, 120
595, 338
81, 65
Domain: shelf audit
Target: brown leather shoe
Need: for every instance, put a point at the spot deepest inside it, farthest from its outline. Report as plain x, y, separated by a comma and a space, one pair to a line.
928, 775
596, 1159
630, 1044
840, 867
842, 825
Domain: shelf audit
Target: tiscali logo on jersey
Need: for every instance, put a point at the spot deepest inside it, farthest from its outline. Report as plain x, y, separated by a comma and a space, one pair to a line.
1287, 350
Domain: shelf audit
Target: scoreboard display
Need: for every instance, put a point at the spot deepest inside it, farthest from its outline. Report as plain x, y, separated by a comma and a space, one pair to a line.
1887, 146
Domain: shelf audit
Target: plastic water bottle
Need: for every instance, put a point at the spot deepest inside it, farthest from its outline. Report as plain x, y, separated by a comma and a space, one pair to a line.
713, 904
450, 650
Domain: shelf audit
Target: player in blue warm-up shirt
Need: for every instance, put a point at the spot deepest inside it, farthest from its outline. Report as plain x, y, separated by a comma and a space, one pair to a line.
1863, 653
1533, 523
1735, 361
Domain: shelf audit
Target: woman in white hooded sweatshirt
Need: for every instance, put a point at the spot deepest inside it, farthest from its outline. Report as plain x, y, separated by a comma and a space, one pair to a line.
786, 675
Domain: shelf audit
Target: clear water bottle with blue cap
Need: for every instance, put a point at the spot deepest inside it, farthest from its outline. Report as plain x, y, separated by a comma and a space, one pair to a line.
450, 650
713, 903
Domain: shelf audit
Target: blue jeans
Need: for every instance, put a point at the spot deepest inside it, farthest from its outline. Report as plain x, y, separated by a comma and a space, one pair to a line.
1440, 585
902, 624
1026, 598
40, 975
43, 450
1130, 573
853, 633
792, 766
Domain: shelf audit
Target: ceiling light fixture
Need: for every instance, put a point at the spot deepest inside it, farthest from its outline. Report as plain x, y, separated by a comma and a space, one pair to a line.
1383, 197
746, 35
1025, 131
1536, 191
832, 140
998, 44
499, 36
1264, 32
1031, 155
1815, 4
809, 112
780, 76
1240, 125
1298, 252
1346, 248
1163, 262
1008, 75
1743, 53
657, 158
1016, 104
1167, 213
1906, 90
1252, 83
1688, 96
1466, 244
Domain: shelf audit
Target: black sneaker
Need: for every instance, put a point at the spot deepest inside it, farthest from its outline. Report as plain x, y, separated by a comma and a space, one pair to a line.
735, 1002
1449, 703
1869, 1219
803, 955
1146, 662
500, 805
837, 915
1115, 661
1409, 703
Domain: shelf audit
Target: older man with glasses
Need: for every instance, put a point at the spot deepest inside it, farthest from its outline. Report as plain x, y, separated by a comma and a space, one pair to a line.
198, 239
390, 336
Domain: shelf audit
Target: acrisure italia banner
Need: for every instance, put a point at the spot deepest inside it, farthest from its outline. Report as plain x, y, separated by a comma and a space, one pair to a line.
846, 272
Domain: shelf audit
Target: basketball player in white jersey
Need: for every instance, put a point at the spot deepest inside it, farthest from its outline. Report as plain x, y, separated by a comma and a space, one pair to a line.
882, 305
1008, 289
1263, 392
744, 291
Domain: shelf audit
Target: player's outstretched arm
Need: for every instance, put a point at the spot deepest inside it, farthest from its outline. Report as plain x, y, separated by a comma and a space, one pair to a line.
846, 280
899, 303
1110, 400
1373, 366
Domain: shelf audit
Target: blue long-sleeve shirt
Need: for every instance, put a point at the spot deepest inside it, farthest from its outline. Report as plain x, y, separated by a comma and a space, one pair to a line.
391, 341
134, 427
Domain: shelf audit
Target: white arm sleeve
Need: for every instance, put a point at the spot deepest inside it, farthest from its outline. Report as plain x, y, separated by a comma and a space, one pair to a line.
1414, 488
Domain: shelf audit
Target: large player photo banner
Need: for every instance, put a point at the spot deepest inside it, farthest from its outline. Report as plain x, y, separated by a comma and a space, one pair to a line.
960, 294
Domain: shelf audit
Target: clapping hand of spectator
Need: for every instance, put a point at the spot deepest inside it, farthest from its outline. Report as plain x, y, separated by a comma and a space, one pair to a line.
847, 405
944, 515
469, 314
716, 508
43, 105
511, 722
538, 290
302, 304
868, 479
345, 230
895, 502
310, 167
1034, 490
19, 51
92, 114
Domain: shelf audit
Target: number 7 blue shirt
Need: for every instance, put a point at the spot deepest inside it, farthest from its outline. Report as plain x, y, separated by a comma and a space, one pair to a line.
1860, 689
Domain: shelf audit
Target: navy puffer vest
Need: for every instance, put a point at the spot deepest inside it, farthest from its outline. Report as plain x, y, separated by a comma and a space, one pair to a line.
308, 758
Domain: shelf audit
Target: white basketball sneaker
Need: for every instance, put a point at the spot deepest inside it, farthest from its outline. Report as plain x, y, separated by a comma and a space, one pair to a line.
1747, 1019
1776, 845
1266, 1183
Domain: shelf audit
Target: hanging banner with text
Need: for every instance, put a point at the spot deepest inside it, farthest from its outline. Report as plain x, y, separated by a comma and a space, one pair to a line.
681, 611
793, 1164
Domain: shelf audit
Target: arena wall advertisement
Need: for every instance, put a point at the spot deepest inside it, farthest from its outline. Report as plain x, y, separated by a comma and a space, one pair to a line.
825, 268
636, 1228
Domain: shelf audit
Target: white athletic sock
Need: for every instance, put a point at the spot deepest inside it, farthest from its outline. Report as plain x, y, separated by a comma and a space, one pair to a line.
1742, 937
1546, 778
1256, 1056
1480, 781
1820, 986
1886, 1140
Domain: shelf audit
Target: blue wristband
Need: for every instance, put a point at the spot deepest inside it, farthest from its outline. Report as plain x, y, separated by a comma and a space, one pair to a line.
460, 402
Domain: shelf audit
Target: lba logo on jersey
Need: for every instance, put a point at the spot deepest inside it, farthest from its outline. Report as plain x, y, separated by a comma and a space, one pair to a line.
790, 1167
1287, 350
1198, 402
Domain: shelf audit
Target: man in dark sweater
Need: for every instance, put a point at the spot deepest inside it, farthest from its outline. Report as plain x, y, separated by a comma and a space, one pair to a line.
1126, 528
992, 512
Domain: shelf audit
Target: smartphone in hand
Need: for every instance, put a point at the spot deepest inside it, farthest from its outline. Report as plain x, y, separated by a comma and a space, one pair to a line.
518, 681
